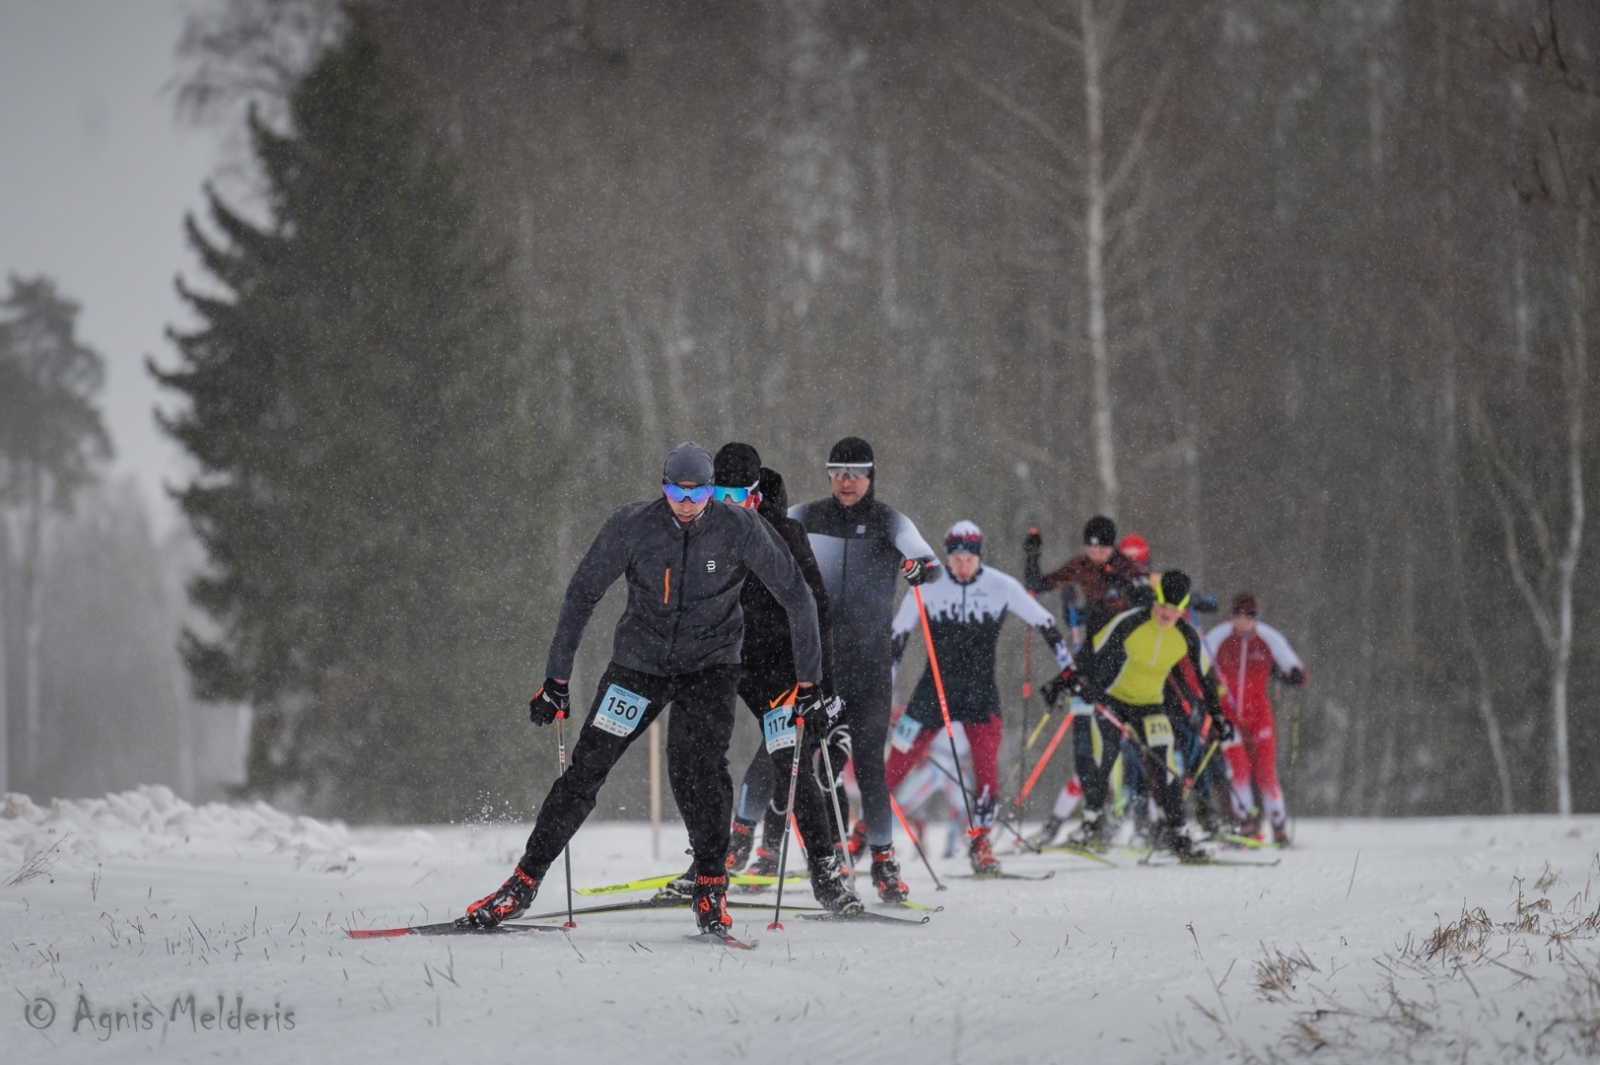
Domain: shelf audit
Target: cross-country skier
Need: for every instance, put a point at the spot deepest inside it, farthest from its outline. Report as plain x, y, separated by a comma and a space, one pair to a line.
685, 562
1097, 585
767, 686
1128, 673
966, 607
1136, 550
862, 545
1248, 653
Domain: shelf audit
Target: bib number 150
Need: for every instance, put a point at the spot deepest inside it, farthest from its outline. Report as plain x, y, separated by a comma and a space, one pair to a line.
620, 711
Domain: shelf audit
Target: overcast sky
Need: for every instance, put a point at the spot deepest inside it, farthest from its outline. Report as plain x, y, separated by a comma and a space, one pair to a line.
95, 176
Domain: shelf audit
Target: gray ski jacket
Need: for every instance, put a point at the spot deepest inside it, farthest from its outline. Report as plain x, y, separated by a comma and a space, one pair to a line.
683, 611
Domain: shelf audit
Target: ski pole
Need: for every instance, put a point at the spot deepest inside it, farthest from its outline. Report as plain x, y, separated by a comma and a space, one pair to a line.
561, 759
901, 814
1201, 768
788, 815
1021, 768
944, 707
838, 814
1044, 760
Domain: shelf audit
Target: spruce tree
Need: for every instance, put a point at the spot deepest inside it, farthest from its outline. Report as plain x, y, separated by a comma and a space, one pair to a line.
358, 403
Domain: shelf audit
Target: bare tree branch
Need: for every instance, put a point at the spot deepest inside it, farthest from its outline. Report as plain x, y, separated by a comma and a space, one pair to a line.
1508, 524
1017, 109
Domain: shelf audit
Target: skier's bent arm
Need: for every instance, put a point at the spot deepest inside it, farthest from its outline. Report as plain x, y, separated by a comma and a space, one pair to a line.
1282, 654
909, 542
769, 559
604, 562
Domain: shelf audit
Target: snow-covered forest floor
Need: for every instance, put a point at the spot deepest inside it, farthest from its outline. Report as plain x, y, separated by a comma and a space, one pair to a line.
1467, 939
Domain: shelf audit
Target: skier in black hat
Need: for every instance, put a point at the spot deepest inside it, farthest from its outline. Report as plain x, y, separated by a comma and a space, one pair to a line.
767, 686
685, 562
862, 545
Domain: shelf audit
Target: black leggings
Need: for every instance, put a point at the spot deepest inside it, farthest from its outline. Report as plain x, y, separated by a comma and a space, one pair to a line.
766, 782
1161, 767
697, 762
867, 695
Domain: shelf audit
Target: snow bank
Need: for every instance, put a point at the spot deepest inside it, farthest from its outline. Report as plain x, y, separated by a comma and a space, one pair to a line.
152, 822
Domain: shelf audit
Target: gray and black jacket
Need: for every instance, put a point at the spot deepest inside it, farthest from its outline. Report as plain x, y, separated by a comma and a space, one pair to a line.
684, 584
861, 551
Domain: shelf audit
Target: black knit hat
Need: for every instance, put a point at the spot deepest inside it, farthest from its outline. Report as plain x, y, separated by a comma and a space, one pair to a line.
851, 451
738, 466
774, 496
1173, 588
1100, 532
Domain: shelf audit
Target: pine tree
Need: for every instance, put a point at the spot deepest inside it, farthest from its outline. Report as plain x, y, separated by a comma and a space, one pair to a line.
51, 438
358, 404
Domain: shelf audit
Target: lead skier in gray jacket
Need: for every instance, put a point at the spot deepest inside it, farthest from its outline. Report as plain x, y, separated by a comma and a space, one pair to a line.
678, 642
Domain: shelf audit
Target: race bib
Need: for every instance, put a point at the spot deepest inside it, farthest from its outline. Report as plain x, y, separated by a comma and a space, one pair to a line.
904, 734
778, 728
1158, 730
620, 711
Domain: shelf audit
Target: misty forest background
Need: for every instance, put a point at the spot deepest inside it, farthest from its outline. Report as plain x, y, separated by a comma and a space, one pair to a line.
1300, 291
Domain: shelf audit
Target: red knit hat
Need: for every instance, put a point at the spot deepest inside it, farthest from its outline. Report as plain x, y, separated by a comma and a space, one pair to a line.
1134, 546
1245, 603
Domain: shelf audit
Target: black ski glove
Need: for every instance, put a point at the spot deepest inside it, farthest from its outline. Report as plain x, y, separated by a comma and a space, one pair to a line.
811, 706
551, 699
1222, 729
1296, 677
920, 571
1070, 680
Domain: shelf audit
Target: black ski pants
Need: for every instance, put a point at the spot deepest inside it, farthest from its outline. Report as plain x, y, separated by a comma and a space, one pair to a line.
1159, 759
767, 689
1094, 741
867, 691
697, 760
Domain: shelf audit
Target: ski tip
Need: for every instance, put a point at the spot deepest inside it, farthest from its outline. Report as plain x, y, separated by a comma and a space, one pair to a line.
717, 939
376, 933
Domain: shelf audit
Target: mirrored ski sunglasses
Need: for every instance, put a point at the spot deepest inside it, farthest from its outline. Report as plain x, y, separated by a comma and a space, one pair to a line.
735, 495
848, 470
698, 494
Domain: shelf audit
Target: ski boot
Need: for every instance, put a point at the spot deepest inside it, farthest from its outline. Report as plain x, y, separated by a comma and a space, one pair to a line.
1093, 833
741, 837
1046, 836
1280, 834
681, 889
711, 904
765, 864
858, 839
1184, 844
886, 876
832, 888
984, 863
511, 901
1250, 827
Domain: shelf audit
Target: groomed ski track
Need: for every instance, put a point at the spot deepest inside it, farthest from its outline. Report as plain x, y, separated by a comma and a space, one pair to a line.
1131, 964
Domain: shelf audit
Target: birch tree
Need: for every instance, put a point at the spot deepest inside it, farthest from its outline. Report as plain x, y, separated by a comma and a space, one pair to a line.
1084, 184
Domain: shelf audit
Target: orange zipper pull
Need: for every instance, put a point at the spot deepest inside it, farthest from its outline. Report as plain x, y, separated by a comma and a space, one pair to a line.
666, 586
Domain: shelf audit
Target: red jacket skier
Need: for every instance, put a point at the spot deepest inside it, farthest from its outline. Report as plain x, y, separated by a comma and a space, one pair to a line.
1247, 653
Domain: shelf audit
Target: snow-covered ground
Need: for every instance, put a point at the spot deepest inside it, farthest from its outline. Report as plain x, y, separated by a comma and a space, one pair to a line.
1428, 940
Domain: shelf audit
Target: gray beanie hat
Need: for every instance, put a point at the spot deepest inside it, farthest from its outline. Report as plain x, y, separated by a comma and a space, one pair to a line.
689, 463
